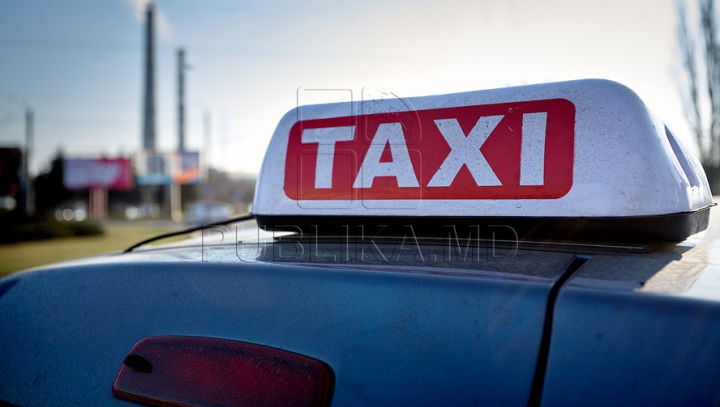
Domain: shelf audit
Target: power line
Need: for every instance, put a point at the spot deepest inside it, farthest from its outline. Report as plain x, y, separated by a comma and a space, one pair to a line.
95, 46
67, 44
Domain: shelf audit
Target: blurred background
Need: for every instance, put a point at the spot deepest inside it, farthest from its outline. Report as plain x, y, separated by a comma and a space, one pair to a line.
120, 119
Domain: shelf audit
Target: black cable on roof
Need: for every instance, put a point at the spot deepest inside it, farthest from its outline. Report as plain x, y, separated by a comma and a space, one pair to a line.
189, 230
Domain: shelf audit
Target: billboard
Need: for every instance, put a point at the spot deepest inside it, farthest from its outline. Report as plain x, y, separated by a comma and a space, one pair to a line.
105, 173
187, 168
167, 168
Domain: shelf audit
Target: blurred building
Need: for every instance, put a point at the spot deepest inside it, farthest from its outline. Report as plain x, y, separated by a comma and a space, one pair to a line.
11, 193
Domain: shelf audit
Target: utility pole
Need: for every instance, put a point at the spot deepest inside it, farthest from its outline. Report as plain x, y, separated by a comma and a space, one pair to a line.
181, 98
209, 187
207, 123
175, 188
29, 127
27, 197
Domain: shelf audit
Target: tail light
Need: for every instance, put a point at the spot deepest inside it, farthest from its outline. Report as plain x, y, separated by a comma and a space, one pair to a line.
192, 371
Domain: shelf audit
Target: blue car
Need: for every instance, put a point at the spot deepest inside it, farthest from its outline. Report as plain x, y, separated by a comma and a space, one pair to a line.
544, 245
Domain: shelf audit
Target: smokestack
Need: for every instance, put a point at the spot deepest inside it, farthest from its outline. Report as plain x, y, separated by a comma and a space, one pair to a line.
149, 101
181, 99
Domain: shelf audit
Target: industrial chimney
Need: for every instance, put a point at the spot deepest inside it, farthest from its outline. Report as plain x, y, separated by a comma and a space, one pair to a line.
149, 100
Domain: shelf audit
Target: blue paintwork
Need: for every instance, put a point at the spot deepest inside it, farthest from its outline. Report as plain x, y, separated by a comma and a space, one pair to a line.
392, 337
633, 330
627, 329
627, 349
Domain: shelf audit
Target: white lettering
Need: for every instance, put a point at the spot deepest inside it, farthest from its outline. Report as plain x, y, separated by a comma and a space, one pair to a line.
465, 150
400, 167
532, 155
326, 139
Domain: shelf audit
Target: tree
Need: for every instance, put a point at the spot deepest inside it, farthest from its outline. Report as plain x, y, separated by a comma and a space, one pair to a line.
49, 188
700, 83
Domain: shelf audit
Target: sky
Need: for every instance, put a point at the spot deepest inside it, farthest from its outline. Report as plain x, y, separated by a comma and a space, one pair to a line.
78, 63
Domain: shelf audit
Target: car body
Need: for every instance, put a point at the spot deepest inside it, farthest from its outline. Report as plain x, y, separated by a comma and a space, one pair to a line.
628, 327
203, 213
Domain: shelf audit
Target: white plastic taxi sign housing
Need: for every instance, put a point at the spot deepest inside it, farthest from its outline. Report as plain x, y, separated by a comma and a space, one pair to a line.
585, 149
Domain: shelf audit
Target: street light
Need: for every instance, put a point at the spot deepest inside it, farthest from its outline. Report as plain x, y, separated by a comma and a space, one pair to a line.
29, 201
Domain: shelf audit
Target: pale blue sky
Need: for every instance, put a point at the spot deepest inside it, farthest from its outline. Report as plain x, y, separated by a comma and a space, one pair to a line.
78, 62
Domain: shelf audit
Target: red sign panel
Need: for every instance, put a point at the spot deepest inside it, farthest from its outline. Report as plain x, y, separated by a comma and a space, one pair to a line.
519, 150
106, 173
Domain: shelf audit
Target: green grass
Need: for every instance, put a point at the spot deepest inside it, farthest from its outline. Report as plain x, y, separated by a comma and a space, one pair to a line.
23, 255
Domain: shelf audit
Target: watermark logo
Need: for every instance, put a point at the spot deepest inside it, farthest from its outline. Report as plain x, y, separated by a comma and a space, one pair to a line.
362, 244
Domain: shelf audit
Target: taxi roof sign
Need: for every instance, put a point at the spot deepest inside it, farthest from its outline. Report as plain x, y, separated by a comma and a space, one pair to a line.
553, 152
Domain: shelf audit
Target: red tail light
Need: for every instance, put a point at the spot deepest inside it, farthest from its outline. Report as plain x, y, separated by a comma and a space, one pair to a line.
191, 371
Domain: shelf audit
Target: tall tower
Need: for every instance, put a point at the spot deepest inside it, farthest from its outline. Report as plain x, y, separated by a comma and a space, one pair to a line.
149, 100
